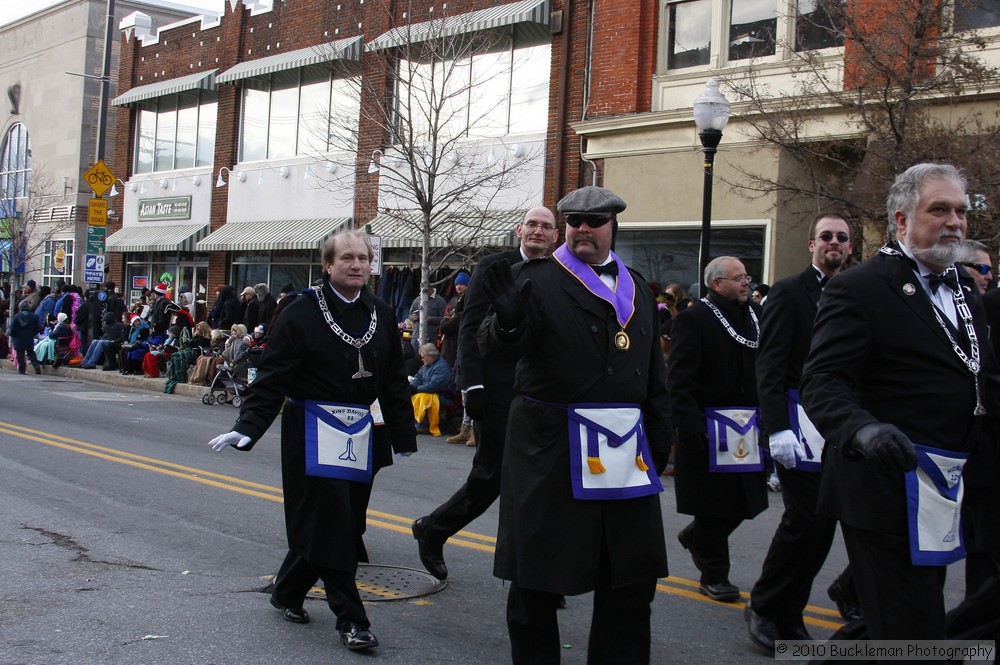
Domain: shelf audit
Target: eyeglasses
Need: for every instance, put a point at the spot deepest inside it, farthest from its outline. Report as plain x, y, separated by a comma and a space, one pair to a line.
981, 268
739, 278
534, 226
593, 221
827, 236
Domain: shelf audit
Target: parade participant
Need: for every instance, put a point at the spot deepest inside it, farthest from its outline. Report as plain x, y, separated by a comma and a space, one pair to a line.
802, 539
718, 469
587, 437
333, 352
979, 266
901, 374
487, 382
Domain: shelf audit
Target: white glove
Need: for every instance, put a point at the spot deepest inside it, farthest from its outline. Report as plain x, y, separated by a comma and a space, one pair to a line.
784, 446
223, 441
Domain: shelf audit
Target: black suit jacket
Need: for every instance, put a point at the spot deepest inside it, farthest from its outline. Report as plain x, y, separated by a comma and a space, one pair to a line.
879, 355
496, 373
785, 334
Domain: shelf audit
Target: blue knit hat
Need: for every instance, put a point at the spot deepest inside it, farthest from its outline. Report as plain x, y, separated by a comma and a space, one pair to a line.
462, 278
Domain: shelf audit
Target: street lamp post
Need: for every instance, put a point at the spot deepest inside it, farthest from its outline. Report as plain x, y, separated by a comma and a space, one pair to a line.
711, 113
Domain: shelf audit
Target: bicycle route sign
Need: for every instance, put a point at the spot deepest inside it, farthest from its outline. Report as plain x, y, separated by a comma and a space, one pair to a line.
99, 177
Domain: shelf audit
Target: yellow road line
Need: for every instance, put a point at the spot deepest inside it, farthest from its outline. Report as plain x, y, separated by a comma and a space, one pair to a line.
387, 521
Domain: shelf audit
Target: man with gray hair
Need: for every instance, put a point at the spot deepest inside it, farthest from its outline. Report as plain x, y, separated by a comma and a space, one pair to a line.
266, 304
711, 377
898, 381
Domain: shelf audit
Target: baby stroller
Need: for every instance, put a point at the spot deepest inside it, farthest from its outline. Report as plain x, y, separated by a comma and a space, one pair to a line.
233, 379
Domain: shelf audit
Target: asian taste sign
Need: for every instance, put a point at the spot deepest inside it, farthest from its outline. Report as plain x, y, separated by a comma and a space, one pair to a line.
175, 207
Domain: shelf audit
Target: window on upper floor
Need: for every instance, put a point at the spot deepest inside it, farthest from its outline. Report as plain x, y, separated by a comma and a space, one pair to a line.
305, 111
972, 14
15, 163
751, 29
502, 90
176, 132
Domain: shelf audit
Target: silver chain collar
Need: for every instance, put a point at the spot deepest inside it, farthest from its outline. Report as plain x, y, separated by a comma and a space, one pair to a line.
740, 339
973, 364
356, 342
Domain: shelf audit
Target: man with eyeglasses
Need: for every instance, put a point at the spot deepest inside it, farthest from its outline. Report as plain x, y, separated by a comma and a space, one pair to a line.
980, 270
802, 540
487, 382
719, 475
900, 376
588, 435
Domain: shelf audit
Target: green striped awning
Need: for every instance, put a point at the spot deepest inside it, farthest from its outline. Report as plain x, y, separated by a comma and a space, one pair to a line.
342, 49
493, 229
199, 81
278, 234
525, 11
156, 238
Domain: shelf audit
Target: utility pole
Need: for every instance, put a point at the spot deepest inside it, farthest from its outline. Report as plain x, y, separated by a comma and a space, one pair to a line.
102, 109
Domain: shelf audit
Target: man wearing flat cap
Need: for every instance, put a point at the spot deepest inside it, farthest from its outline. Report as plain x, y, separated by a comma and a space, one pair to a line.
587, 437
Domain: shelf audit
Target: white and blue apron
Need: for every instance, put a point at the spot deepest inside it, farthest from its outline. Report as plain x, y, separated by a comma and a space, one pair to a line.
934, 493
338, 440
803, 429
733, 434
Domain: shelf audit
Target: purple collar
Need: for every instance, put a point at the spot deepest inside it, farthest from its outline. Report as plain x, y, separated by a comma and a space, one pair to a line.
621, 298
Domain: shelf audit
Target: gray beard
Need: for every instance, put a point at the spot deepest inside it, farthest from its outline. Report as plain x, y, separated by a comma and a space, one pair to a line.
940, 256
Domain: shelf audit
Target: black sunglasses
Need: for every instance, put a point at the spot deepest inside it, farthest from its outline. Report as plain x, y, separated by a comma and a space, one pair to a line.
981, 268
593, 221
827, 236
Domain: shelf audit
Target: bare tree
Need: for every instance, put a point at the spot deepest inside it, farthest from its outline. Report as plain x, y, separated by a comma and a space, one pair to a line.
27, 223
438, 101
904, 90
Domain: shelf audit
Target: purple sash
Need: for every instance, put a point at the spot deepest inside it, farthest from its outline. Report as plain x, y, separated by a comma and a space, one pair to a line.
621, 298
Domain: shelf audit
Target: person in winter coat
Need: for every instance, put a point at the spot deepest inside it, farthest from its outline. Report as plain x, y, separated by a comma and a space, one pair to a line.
227, 309
22, 330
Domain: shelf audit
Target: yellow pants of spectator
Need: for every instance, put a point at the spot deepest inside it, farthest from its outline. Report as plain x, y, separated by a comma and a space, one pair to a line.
430, 405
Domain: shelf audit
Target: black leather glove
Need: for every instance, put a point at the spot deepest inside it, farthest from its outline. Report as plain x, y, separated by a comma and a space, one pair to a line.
509, 303
886, 443
475, 403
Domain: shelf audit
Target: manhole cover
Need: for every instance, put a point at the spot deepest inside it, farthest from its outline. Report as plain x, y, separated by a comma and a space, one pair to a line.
381, 583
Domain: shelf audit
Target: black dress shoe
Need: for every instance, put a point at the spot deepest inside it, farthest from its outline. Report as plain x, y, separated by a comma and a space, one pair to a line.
356, 638
847, 606
431, 553
686, 539
724, 592
290, 613
762, 631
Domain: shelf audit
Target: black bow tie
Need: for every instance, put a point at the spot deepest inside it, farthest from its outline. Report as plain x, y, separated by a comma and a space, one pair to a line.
607, 269
947, 278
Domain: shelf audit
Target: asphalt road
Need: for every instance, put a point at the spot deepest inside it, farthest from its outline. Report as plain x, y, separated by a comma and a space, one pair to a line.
125, 539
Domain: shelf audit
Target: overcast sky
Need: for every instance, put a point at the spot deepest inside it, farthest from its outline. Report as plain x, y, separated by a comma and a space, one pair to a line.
11, 10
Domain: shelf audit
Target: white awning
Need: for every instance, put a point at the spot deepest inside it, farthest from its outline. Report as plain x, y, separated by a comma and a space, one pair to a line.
156, 238
493, 229
526, 11
279, 234
199, 81
342, 49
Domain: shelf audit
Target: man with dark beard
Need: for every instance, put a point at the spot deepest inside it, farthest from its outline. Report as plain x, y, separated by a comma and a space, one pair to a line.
898, 382
803, 539
718, 470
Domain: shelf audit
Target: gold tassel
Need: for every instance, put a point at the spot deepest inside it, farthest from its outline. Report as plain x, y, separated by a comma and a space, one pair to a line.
641, 463
595, 465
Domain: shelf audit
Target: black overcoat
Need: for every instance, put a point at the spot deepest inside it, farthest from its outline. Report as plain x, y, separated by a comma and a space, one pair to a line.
548, 540
879, 355
708, 368
305, 360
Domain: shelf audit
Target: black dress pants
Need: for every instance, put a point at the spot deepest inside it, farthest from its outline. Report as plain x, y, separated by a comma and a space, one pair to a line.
619, 625
797, 552
481, 488
296, 576
899, 601
709, 542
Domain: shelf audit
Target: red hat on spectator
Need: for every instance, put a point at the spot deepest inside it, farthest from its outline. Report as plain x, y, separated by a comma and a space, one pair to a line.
161, 288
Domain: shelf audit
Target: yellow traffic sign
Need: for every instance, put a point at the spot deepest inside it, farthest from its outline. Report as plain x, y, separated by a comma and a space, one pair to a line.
99, 177
97, 212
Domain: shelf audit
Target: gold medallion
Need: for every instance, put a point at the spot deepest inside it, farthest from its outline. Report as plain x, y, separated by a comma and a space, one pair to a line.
621, 341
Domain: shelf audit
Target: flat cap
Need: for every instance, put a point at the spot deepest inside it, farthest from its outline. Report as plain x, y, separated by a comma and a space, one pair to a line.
591, 200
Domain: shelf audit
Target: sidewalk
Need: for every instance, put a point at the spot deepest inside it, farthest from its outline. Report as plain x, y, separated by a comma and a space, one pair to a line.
114, 378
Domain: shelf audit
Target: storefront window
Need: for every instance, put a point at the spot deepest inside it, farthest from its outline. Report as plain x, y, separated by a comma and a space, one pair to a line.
57, 263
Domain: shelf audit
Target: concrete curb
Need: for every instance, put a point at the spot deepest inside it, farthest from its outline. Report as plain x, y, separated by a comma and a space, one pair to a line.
115, 378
